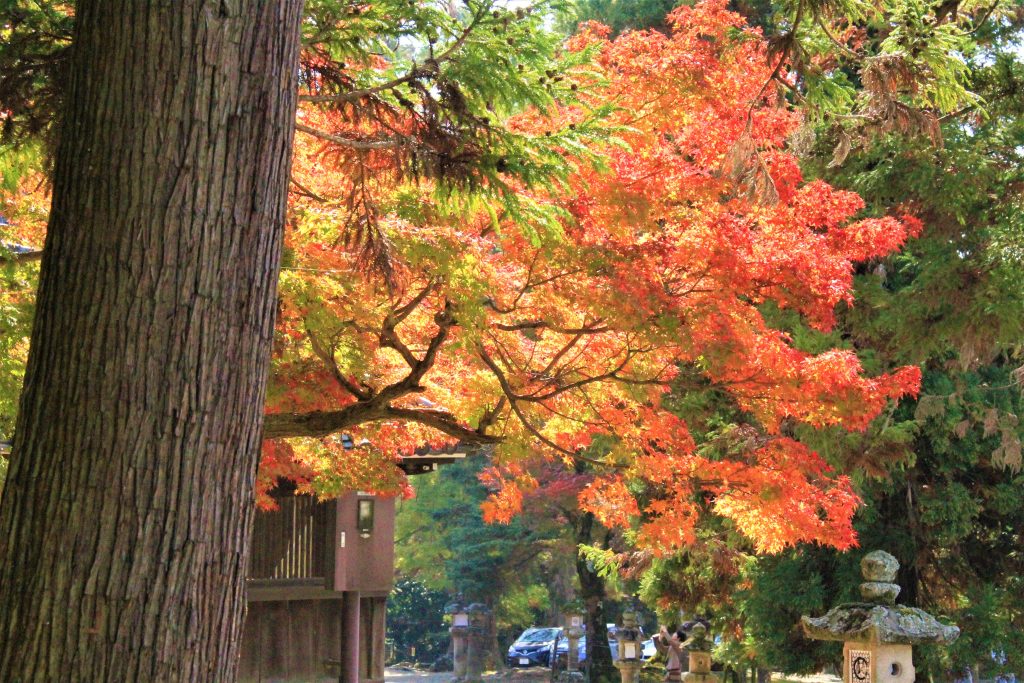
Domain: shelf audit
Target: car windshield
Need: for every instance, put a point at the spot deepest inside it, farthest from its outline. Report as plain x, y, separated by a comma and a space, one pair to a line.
538, 635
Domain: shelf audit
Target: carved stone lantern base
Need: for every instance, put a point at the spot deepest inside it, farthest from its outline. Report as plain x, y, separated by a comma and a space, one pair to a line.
629, 670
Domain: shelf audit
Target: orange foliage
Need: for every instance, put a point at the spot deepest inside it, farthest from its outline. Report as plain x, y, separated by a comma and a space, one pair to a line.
563, 347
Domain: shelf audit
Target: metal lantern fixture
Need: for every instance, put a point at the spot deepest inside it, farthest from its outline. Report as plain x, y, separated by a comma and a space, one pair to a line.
364, 517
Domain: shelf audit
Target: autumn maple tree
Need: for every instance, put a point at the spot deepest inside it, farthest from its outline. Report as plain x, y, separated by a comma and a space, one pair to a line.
553, 322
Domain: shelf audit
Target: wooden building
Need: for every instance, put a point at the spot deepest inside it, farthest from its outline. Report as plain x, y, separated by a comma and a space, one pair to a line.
319, 577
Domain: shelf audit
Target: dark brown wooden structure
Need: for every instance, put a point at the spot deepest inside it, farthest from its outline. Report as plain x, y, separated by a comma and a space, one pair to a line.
319, 577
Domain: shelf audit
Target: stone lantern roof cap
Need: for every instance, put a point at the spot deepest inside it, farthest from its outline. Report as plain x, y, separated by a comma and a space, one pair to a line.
698, 640
879, 619
879, 623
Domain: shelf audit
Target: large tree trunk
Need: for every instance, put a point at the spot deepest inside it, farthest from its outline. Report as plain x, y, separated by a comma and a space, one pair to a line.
592, 591
125, 519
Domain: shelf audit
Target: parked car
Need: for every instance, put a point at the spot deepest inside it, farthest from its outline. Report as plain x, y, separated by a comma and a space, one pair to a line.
560, 648
533, 647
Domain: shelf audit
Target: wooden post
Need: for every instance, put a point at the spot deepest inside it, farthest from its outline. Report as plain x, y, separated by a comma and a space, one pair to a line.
377, 639
350, 637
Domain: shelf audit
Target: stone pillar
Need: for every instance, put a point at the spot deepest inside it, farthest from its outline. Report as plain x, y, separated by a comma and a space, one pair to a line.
350, 637
377, 648
628, 643
459, 638
477, 641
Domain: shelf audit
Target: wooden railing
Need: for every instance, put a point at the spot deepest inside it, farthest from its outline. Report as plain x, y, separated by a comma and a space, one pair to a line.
292, 541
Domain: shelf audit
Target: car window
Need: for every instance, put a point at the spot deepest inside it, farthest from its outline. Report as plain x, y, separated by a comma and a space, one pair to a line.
538, 635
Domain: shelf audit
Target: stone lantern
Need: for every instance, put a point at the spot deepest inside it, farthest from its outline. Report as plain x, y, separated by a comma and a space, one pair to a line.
460, 632
574, 620
698, 646
629, 648
877, 633
477, 637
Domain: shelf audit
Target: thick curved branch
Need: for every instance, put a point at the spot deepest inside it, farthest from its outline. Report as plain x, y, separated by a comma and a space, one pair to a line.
377, 407
22, 256
319, 424
443, 421
327, 357
418, 367
543, 324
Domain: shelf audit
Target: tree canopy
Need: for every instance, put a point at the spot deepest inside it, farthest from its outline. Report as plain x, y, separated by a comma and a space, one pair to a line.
719, 284
529, 247
561, 336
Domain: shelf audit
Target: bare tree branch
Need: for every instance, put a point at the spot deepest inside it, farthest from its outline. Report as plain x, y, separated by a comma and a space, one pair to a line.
392, 142
507, 389
543, 324
327, 356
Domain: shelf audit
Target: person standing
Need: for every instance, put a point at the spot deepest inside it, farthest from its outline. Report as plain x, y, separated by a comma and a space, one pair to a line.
671, 646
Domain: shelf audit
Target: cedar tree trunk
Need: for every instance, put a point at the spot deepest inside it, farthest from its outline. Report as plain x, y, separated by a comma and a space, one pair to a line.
125, 519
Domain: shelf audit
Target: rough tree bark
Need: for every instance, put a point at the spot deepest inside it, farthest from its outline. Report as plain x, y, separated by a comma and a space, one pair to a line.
600, 668
125, 519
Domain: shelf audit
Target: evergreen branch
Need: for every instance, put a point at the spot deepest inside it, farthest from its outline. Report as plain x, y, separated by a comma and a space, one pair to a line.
364, 145
430, 68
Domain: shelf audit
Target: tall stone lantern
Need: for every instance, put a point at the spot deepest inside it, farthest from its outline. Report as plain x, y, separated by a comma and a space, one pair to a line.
698, 646
477, 640
460, 633
574, 620
878, 634
630, 649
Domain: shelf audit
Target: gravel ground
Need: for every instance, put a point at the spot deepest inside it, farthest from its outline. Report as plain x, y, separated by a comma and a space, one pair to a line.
407, 675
